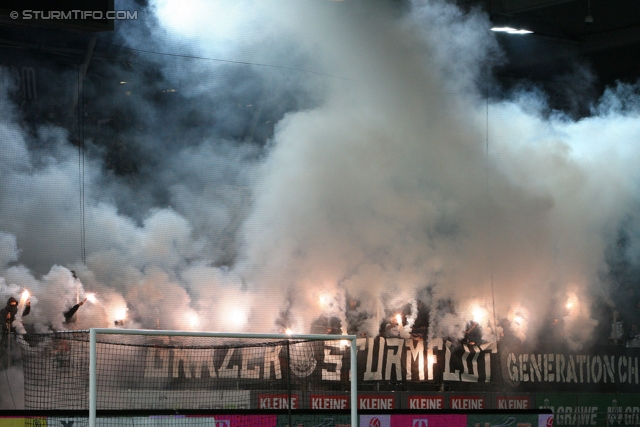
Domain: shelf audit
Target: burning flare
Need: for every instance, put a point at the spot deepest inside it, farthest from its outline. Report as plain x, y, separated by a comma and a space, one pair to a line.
478, 314
24, 297
194, 320
120, 313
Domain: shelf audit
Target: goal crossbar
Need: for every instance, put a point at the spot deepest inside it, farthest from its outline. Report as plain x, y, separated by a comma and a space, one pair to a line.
93, 333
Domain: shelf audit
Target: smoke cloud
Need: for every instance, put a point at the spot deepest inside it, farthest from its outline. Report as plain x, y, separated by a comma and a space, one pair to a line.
340, 150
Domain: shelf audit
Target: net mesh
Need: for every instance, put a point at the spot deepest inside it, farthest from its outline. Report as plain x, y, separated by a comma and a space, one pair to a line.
139, 372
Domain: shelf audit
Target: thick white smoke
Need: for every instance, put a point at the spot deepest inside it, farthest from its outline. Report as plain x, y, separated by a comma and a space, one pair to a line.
390, 173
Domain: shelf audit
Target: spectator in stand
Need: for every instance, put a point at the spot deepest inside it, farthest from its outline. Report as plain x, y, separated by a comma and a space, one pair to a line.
355, 317
420, 329
618, 335
69, 314
634, 336
472, 333
392, 328
326, 325
9, 312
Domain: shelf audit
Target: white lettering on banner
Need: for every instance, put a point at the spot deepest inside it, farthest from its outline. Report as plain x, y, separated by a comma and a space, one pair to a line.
246, 371
560, 368
467, 403
366, 402
596, 361
322, 402
415, 351
522, 360
157, 363
514, 374
369, 373
226, 370
622, 374
394, 357
549, 375
436, 402
468, 373
271, 357
431, 359
487, 348
447, 375
385, 363
186, 358
332, 359
536, 367
609, 366
572, 368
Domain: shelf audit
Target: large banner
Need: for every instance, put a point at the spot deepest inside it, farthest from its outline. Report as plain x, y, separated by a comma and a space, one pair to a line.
160, 372
609, 368
379, 359
604, 369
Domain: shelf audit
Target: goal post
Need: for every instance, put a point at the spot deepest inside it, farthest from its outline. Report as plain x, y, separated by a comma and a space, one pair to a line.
197, 344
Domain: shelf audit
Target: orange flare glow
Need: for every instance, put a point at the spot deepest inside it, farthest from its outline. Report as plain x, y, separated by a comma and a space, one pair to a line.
24, 297
121, 313
478, 314
193, 320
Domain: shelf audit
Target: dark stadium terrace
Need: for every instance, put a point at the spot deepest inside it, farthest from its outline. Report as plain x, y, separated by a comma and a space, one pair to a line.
136, 127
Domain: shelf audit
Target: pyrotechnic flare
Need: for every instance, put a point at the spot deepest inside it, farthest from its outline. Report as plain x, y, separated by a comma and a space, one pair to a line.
478, 314
68, 315
8, 313
24, 298
193, 320
324, 300
572, 301
120, 314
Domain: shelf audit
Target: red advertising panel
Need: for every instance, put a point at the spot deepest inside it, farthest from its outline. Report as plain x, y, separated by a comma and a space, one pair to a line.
426, 402
376, 401
246, 420
321, 401
277, 401
467, 402
429, 420
514, 402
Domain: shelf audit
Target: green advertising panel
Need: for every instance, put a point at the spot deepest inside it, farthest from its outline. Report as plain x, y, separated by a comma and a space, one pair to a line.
502, 420
592, 409
313, 420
